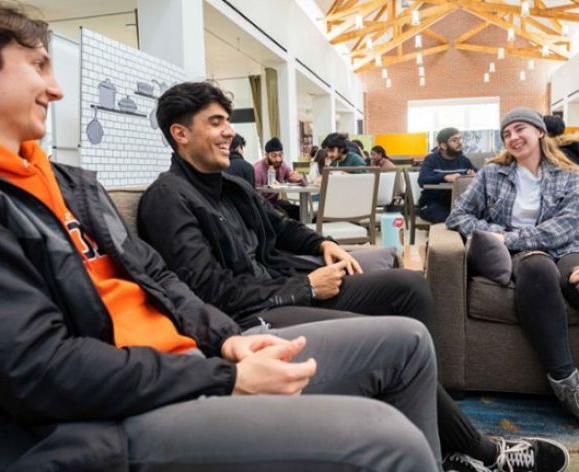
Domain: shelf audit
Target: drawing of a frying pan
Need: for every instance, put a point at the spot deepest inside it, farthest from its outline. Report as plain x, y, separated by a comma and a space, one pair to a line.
94, 130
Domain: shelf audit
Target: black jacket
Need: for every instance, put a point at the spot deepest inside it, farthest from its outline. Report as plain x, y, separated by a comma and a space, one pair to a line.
57, 361
434, 169
241, 168
197, 244
571, 150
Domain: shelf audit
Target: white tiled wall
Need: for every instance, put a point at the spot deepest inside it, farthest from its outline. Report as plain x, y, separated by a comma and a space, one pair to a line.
131, 152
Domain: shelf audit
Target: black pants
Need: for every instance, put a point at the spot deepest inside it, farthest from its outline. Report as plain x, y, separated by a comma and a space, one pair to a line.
435, 211
393, 292
542, 286
291, 210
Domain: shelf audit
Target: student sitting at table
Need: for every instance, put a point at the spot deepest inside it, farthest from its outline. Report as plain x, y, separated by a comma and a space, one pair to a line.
337, 149
273, 160
445, 164
379, 158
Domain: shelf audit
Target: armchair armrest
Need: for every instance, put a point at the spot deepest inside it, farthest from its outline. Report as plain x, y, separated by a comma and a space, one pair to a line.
446, 273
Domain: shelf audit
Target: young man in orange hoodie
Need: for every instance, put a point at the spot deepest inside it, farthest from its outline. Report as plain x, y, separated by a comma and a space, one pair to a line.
108, 361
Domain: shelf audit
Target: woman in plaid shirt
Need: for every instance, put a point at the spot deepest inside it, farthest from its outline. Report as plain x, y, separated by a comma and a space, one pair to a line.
528, 196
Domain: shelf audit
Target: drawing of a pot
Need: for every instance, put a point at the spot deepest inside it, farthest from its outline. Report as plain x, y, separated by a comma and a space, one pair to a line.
126, 104
107, 94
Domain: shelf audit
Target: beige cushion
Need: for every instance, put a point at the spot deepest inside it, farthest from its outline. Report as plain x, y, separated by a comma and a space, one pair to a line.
491, 302
127, 202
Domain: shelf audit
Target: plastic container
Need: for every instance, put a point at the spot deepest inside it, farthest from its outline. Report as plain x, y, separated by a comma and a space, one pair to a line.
270, 176
392, 226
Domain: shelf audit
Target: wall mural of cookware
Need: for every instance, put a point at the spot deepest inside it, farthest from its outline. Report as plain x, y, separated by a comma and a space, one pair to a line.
127, 104
107, 94
153, 115
94, 130
145, 88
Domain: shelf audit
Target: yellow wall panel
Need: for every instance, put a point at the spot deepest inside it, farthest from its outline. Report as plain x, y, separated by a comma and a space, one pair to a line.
403, 144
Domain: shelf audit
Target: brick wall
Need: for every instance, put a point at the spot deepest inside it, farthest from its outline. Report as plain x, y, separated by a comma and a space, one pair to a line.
454, 74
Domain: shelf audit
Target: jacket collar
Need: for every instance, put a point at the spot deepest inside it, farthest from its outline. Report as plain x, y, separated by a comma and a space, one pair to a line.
209, 185
546, 167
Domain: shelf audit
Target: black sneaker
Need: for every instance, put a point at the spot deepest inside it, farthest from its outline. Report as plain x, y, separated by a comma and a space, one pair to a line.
530, 455
462, 463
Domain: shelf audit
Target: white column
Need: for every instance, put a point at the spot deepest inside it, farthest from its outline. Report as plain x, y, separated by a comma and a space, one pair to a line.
348, 122
174, 30
288, 109
324, 111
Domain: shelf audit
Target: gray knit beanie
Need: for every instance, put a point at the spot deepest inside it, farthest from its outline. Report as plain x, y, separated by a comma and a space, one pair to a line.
523, 114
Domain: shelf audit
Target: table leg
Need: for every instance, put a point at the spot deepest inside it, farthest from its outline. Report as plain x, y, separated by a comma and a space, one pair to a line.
305, 216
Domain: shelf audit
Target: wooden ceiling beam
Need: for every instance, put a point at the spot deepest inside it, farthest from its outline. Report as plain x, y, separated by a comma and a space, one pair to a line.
506, 8
388, 61
436, 36
363, 9
402, 19
535, 38
377, 35
472, 32
390, 45
556, 24
521, 52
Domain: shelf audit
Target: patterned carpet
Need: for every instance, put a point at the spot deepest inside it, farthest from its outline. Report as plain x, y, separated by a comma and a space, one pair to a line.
524, 415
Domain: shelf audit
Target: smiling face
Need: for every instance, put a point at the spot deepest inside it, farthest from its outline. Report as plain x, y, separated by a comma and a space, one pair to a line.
274, 158
27, 86
522, 140
205, 142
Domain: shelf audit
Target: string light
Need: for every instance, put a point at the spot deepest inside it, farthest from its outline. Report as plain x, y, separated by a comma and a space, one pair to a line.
522, 75
525, 10
492, 67
384, 73
421, 71
415, 18
388, 83
501, 53
418, 41
419, 60
487, 77
511, 35
531, 65
422, 81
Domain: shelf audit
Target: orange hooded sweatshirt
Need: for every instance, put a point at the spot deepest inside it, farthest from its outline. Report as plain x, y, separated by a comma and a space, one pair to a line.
135, 321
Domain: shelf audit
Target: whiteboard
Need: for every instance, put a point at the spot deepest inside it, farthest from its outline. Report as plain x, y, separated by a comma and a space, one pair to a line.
64, 119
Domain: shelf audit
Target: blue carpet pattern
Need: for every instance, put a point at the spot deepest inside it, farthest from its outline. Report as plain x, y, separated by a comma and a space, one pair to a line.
522, 415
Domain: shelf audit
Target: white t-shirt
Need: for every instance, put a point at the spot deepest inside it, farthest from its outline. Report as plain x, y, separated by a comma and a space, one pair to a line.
528, 200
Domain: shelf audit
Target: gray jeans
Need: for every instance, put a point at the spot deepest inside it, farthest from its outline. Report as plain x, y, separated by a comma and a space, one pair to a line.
363, 360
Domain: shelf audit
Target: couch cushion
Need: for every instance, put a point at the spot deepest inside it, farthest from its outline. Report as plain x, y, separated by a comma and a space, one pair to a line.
127, 202
492, 302
489, 257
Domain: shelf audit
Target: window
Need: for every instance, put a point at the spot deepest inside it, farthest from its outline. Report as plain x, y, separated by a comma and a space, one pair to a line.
466, 114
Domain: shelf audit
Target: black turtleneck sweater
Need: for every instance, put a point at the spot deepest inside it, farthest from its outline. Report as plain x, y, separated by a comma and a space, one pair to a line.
211, 185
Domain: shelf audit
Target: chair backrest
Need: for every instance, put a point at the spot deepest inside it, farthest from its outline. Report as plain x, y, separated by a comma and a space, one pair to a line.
301, 166
127, 202
413, 190
348, 197
386, 187
459, 186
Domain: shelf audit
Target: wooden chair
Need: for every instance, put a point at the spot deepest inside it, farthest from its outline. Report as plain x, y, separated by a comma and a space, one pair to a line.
411, 198
346, 200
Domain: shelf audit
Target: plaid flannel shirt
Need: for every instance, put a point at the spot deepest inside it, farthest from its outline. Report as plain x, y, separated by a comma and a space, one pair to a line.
488, 202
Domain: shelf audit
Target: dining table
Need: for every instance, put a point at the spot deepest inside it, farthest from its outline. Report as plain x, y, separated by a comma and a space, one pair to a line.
305, 196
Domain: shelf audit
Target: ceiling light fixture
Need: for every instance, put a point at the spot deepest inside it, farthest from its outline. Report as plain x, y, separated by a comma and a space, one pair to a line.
522, 75
415, 18
422, 81
378, 61
531, 65
525, 10
369, 43
359, 22
487, 77
564, 30
501, 53
418, 41
511, 35
388, 83
384, 73
421, 71
492, 67
545, 50
419, 60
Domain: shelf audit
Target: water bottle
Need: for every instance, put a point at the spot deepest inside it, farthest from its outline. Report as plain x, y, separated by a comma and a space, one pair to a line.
270, 176
392, 228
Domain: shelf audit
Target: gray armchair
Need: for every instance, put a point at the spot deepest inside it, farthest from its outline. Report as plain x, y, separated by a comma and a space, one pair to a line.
479, 341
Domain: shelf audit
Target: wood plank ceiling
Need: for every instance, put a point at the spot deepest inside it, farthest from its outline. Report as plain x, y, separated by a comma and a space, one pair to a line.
375, 30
